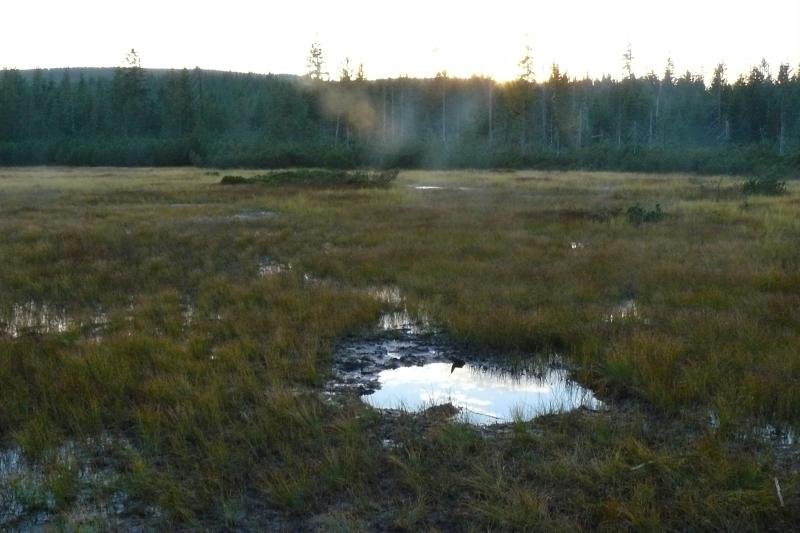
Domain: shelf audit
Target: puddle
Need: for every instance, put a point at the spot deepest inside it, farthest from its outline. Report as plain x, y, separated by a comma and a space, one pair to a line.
188, 205
778, 435
310, 279
10, 463
94, 330
627, 310
253, 215
188, 313
27, 501
405, 363
384, 294
484, 395
268, 267
774, 434
242, 216
33, 318
440, 188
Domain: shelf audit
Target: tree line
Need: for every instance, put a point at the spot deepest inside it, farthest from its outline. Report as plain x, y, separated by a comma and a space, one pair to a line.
656, 122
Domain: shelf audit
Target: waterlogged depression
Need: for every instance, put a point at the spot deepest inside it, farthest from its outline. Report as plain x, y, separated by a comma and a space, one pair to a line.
33, 318
404, 363
484, 395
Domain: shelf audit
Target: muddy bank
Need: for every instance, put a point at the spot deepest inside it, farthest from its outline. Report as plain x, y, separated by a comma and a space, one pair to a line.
397, 340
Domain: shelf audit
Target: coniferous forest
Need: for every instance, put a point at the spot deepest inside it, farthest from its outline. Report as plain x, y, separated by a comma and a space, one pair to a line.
658, 122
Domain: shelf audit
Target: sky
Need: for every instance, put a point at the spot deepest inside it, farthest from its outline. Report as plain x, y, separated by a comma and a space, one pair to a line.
412, 37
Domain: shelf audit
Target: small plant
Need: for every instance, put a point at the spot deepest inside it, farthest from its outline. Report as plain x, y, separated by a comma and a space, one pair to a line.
639, 215
234, 180
769, 186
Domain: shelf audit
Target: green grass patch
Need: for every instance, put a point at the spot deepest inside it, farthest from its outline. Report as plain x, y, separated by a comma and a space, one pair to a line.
318, 178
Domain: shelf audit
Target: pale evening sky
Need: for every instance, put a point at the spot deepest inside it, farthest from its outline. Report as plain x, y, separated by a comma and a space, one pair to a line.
414, 37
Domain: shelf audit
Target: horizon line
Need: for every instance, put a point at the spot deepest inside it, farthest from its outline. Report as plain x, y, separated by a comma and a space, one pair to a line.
677, 74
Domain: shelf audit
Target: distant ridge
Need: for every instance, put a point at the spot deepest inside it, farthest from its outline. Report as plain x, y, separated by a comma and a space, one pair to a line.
107, 73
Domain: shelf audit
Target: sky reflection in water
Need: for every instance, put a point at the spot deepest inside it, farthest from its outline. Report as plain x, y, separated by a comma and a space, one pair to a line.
486, 397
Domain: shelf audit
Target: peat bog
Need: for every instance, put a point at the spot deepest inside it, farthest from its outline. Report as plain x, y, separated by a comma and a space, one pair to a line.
180, 353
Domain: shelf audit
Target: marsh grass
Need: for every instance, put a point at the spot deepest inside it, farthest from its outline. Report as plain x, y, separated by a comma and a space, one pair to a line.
223, 411
317, 178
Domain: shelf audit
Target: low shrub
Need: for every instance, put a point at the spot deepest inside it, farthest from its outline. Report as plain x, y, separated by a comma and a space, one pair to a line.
327, 178
769, 186
639, 215
234, 180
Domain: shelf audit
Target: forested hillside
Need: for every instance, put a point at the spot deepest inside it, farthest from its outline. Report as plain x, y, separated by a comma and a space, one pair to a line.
134, 116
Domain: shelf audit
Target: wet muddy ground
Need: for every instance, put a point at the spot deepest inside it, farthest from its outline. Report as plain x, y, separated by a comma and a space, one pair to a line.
648, 463
30, 492
406, 364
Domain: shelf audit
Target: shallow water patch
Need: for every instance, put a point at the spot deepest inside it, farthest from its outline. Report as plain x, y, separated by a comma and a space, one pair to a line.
249, 215
269, 267
28, 502
253, 215
627, 310
405, 363
781, 436
775, 434
188, 312
34, 318
440, 188
484, 395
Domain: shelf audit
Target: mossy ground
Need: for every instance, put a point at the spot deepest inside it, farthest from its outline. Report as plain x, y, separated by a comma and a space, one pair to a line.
213, 373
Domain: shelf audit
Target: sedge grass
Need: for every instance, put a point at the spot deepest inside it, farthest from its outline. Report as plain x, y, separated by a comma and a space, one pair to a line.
221, 405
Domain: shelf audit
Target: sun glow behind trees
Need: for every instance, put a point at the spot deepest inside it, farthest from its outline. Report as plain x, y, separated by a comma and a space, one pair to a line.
414, 38
590, 78
134, 117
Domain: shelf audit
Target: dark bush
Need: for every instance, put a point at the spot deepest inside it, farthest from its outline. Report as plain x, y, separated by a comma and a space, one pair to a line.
234, 180
639, 215
770, 186
328, 178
